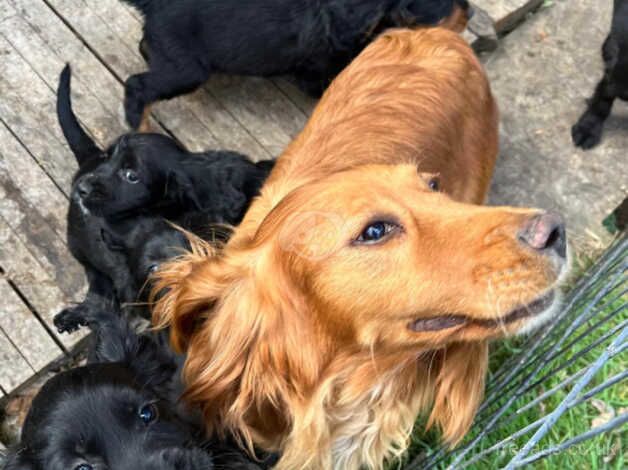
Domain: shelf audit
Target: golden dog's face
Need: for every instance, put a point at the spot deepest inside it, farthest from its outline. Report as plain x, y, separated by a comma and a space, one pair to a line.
387, 259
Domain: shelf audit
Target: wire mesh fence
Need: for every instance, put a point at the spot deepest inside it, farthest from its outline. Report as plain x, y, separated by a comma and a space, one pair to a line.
562, 396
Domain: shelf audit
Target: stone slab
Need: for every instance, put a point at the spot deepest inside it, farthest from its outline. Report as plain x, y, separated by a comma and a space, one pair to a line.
541, 75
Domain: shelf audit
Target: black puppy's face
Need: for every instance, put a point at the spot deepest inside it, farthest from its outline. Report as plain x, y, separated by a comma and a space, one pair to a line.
146, 258
129, 176
96, 418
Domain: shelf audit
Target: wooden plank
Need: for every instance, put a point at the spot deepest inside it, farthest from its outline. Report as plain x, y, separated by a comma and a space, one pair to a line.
25, 331
32, 277
46, 44
44, 271
43, 231
35, 187
121, 55
302, 101
93, 87
27, 106
15, 369
259, 105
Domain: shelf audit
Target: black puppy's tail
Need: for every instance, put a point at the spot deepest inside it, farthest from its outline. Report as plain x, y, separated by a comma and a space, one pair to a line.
142, 5
80, 143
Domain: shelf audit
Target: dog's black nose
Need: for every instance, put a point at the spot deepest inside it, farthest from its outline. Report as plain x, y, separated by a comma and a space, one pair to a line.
84, 187
546, 233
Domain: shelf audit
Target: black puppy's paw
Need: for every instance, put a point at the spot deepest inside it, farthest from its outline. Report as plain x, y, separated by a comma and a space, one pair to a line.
134, 100
587, 132
70, 319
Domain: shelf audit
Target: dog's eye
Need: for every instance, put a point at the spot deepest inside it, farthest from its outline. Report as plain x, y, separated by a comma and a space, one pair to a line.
148, 413
130, 176
434, 184
83, 466
152, 268
376, 232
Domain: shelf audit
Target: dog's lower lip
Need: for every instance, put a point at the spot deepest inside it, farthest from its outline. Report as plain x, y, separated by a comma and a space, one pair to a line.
452, 321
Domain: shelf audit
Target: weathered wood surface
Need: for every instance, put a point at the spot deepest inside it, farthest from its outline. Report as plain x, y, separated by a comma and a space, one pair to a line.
15, 369
26, 332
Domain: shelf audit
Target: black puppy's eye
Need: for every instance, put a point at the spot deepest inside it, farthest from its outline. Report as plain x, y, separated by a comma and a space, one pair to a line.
130, 176
152, 268
434, 184
148, 413
376, 232
83, 466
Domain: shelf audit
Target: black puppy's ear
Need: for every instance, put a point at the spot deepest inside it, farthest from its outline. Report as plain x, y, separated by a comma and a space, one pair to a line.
180, 187
113, 242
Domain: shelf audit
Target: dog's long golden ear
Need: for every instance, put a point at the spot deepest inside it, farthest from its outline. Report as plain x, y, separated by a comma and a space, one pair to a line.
183, 292
459, 389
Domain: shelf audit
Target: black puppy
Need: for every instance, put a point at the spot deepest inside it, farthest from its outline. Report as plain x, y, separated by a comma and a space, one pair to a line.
151, 173
587, 132
187, 40
119, 412
142, 174
84, 227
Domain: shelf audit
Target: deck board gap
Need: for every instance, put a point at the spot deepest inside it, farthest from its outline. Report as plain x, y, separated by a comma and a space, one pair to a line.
84, 42
46, 81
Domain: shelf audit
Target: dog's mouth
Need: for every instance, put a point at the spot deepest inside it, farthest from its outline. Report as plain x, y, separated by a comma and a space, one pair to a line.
534, 308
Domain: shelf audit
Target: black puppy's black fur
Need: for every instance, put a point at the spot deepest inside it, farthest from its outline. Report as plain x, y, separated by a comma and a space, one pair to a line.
187, 40
587, 132
120, 412
151, 173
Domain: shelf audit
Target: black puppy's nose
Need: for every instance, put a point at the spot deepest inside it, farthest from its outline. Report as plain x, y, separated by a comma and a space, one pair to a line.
84, 187
546, 233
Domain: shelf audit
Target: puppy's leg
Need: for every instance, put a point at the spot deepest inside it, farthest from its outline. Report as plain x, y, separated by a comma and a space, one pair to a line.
114, 339
587, 132
162, 84
100, 295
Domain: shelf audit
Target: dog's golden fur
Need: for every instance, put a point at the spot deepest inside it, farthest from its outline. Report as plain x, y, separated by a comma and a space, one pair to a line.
298, 338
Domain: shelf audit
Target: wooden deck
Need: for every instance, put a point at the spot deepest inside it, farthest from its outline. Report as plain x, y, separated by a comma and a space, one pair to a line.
99, 38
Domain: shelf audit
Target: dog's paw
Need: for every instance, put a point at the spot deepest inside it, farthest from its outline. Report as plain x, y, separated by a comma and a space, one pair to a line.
587, 132
70, 319
134, 101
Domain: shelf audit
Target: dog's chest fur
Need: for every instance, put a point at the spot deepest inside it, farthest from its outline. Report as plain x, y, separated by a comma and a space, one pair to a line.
375, 426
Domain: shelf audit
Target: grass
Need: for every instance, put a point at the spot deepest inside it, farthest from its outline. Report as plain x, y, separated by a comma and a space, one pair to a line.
607, 451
